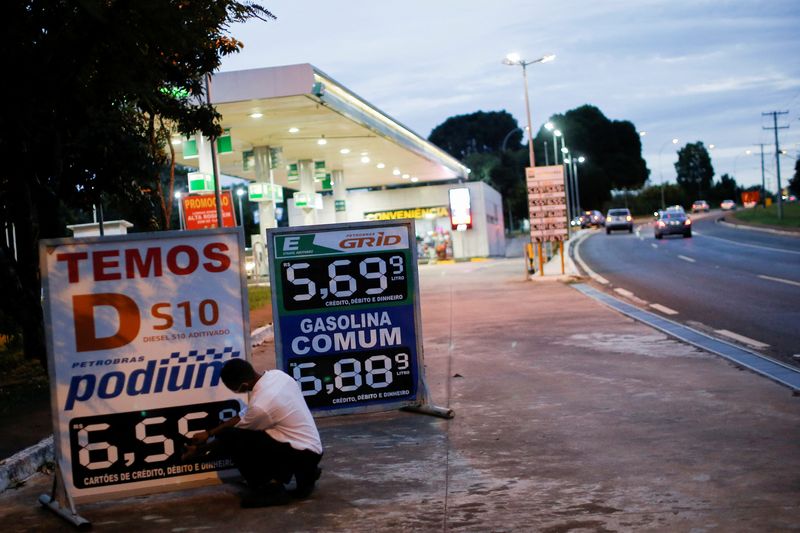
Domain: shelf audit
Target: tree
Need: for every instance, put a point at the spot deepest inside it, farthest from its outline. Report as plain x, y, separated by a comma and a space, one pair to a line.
95, 81
612, 149
479, 132
726, 188
694, 170
794, 182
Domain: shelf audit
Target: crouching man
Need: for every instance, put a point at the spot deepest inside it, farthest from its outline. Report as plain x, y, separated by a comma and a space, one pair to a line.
273, 439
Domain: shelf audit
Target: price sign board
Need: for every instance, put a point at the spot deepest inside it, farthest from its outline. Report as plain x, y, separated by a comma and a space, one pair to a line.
547, 203
200, 210
138, 328
346, 302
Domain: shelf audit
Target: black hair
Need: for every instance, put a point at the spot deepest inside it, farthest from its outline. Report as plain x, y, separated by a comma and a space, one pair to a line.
235, 372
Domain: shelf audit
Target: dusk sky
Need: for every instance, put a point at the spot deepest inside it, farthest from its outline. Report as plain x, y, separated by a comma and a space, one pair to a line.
696, 70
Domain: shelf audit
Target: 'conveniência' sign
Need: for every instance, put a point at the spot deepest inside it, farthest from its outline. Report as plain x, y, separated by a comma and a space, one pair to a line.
439, 211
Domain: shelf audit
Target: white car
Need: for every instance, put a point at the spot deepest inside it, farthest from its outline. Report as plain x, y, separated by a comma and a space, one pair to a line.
728, 205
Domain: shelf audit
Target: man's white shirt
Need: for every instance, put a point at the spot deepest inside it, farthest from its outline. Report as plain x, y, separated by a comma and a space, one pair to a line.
277, 406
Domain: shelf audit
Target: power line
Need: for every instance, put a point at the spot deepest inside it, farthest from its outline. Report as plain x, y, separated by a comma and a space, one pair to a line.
775, 129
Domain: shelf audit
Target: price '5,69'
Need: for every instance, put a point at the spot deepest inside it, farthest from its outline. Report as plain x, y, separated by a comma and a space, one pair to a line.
352, 280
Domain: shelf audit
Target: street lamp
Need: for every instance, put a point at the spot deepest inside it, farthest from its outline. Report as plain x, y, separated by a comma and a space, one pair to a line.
661, 171
556, 133
514, 59
180, 208
574, 161
240, 193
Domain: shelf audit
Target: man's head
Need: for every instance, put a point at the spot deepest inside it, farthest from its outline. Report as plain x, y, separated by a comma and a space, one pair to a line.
239, 375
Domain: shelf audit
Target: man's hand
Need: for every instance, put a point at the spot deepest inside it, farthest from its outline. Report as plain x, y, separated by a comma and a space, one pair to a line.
190, 451
200, 437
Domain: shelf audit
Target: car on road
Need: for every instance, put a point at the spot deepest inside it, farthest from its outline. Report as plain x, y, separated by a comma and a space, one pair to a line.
700, 206
678, 208
592, 218
672, 223
619, 218
728, 205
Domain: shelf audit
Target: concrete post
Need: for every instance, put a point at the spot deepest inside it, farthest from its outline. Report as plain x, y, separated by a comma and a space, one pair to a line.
263, 168
339, 195
306, 170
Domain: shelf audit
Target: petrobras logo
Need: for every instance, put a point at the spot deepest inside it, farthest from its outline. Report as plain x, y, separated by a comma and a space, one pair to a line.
369, 240
169, 374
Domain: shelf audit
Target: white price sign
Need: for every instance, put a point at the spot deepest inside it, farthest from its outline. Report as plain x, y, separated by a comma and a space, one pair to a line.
138, 328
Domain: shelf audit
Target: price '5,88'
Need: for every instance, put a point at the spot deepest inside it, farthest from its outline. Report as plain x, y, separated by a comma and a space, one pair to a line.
326, 380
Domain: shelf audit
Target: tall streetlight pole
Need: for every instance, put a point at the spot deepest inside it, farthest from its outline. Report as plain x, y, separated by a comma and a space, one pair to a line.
180, 208
661, 171
240, 193
556, 133
574, 161
515, 59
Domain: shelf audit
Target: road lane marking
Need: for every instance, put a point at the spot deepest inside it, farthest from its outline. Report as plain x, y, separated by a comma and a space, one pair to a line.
777, 371
664, 309
630, 296
780, 280
689, 259
741, 338
749, 245
654, 245
592, 274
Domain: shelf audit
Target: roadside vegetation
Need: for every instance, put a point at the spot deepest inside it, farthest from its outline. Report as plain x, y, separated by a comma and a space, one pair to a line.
21, 378
258, 297
769, 215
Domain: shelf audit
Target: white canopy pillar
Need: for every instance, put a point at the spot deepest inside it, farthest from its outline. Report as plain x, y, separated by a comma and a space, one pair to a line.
306, 170
204, 162
263, 168
339, 195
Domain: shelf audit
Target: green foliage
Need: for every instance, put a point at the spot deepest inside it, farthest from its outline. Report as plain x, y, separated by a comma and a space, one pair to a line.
479, 132
489, 143
89, 114
647, 200
769, 215
694, 170
725, 188
258, 296
612, 150
794, 182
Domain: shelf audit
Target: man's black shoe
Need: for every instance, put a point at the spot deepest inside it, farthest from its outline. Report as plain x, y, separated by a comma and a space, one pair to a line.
272, 494
305, 485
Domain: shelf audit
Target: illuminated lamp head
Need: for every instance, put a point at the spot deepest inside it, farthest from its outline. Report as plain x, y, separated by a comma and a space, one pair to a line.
239, 375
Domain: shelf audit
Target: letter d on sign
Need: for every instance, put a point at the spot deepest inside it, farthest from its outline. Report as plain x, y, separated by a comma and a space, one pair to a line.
86, 339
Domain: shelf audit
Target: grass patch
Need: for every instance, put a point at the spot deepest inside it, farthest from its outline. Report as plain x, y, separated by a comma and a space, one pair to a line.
20, 378
258, 297
769, 216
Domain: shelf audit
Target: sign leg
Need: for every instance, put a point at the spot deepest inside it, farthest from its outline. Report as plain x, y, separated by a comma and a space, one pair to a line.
55, 502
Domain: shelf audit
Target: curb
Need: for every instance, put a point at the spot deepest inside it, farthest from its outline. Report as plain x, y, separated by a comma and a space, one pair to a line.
22, 465
757, 228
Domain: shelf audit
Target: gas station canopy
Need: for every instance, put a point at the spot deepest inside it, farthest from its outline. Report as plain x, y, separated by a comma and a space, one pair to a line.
309, 116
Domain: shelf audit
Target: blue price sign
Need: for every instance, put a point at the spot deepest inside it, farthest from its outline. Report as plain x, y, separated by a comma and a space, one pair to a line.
346, 308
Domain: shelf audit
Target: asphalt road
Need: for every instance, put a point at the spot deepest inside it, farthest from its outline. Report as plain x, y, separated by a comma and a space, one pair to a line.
741, 286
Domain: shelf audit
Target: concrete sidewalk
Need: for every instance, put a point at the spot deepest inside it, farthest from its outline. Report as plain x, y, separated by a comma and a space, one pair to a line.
568, 416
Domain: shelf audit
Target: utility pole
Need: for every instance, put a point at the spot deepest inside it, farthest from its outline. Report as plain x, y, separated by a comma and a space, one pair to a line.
763, 188
775, 129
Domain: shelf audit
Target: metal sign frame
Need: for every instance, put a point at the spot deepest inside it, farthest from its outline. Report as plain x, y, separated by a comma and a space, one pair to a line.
124, 402
339, 311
